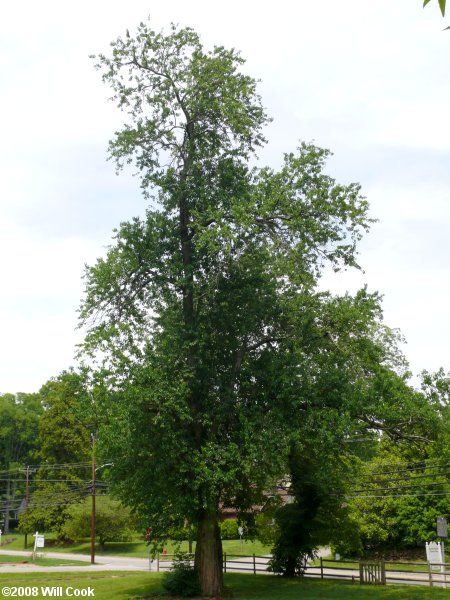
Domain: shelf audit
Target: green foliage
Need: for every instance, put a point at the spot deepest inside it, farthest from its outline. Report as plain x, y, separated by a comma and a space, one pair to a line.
113, 521
293, 548
229, 529
65, 448
19, 418
181, 533
266, 529
398, 497
217, 351
48, 505
63, 434
182, 580
300, 528
442, 4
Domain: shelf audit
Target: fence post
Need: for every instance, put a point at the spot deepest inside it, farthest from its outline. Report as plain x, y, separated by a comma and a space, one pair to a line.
361, 573
157, 563
430, 574
224, 562
254, 565
383, 572
321, 568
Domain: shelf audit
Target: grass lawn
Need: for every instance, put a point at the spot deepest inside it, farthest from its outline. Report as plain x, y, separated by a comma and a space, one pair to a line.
134, 586
136, 548
42, 562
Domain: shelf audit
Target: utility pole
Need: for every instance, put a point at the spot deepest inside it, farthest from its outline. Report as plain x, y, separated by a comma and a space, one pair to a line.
93, 502
27, 472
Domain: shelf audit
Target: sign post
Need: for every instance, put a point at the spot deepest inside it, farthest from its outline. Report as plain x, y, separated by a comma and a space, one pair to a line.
39, 542
148, 537
442, 532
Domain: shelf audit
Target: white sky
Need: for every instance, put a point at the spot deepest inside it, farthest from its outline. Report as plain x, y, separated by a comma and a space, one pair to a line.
369, 80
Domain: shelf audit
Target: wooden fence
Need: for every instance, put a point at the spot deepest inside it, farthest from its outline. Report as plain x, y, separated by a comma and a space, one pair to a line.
363, 572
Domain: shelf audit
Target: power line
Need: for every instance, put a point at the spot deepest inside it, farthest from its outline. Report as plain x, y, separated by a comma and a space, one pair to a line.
400, 495
413, 477
401, 487
422, 467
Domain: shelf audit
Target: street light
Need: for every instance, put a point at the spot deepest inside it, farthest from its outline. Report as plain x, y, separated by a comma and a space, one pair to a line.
93, 510
94, 470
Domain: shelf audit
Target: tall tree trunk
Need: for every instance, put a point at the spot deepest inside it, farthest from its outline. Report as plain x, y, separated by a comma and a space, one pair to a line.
208, 553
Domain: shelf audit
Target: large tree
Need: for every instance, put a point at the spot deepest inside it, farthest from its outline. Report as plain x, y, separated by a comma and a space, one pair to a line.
204, 317
19, 418
64, 456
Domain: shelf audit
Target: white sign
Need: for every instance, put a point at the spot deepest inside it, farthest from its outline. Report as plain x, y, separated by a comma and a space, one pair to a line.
241, 531
39, 541
434, 554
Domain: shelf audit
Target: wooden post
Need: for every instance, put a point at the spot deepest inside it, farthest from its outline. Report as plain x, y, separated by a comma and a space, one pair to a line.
157, 563
25, 540
321, 568
254, 565
430, 574
224, 562
93, 503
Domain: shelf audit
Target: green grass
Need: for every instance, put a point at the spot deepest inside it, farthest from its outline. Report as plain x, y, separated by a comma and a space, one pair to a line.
42, 562
136, 548
134, 586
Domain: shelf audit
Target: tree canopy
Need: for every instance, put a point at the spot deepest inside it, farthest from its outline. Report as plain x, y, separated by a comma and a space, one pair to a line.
204, 319
64, 454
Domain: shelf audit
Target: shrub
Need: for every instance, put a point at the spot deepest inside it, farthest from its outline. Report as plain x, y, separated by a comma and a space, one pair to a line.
182, 580
229, 529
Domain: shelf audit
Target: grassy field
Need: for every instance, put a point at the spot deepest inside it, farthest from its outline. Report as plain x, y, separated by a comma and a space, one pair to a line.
42, 562
136, 548
133, 586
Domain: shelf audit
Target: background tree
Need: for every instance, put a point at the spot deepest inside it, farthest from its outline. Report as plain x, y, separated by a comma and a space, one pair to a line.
113, 522
204, 317
354, 385
19, 417
397, 499
65, 454
64, 436
403, 488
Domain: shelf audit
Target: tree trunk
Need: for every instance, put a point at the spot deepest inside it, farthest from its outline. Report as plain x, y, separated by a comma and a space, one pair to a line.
208, 553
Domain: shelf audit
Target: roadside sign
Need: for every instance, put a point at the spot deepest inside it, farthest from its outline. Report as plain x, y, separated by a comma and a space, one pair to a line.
442, 528
434, 554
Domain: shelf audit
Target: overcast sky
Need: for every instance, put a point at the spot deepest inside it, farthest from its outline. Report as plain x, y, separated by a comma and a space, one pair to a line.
369, 80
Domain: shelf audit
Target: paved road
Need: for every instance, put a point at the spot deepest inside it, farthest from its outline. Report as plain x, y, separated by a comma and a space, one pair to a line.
102, 563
